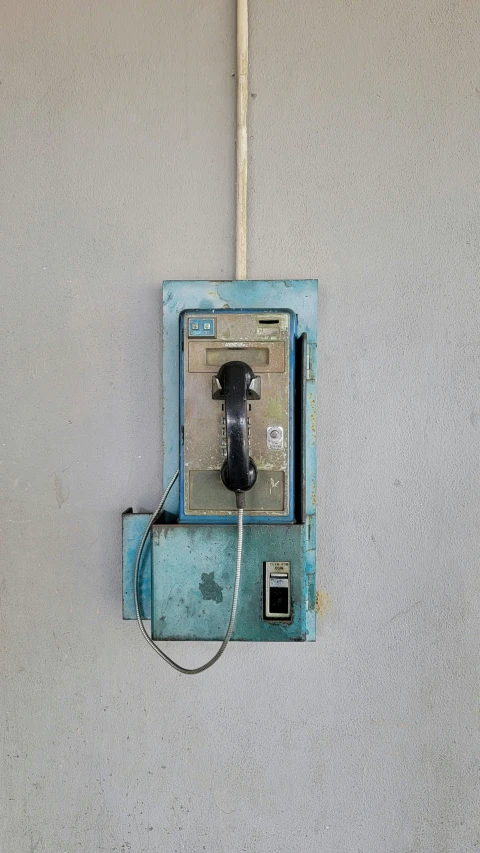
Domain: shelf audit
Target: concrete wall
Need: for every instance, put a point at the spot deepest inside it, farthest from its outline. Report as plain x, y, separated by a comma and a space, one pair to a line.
117, 124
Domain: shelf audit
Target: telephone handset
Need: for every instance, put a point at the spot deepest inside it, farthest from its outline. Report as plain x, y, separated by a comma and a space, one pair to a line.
234, 380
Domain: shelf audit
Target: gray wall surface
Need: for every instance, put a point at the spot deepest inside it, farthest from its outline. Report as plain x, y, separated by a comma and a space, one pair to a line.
117, 124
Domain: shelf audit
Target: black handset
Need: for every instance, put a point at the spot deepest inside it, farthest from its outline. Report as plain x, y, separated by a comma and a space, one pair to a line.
239, 472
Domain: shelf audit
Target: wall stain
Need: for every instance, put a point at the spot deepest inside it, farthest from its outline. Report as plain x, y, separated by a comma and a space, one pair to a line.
406, 611
210, 589
62, 492
323, 602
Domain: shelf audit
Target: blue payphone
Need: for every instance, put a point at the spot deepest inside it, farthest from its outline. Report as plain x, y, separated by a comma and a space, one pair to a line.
239, 431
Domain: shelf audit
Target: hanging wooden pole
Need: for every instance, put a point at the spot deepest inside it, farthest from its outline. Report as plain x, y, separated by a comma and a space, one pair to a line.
242, 140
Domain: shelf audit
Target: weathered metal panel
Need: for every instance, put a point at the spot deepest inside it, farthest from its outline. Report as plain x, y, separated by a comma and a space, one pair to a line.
201, 455
311, 483
133, 528
194, 572
299, 296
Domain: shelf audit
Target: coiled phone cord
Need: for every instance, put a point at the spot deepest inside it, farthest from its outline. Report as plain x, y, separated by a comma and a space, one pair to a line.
233, 611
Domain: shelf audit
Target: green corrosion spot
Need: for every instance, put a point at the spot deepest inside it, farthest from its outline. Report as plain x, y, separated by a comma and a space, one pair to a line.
274, 409
209, 588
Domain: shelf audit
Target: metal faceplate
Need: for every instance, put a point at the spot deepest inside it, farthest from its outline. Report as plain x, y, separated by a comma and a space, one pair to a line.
265, 341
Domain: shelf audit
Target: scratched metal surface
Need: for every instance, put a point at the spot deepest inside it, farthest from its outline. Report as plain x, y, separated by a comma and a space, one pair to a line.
203, 497
192, 595
133, 528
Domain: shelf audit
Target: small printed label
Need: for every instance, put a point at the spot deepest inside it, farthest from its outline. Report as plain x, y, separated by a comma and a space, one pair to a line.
283, 582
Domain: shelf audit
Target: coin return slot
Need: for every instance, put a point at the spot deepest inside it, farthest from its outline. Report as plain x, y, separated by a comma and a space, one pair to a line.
276, 593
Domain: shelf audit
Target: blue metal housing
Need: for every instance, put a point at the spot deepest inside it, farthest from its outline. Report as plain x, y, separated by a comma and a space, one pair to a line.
187, 571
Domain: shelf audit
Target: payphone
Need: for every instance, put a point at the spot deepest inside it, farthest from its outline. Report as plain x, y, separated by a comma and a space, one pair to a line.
239, 429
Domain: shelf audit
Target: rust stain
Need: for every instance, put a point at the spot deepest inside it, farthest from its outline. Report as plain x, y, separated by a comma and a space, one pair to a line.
313, 414
323, 602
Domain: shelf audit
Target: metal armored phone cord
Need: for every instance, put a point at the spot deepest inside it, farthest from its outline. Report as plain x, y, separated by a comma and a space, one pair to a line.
233, 612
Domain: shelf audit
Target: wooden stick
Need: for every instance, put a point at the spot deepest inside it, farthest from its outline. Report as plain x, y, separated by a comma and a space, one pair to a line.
242, 140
